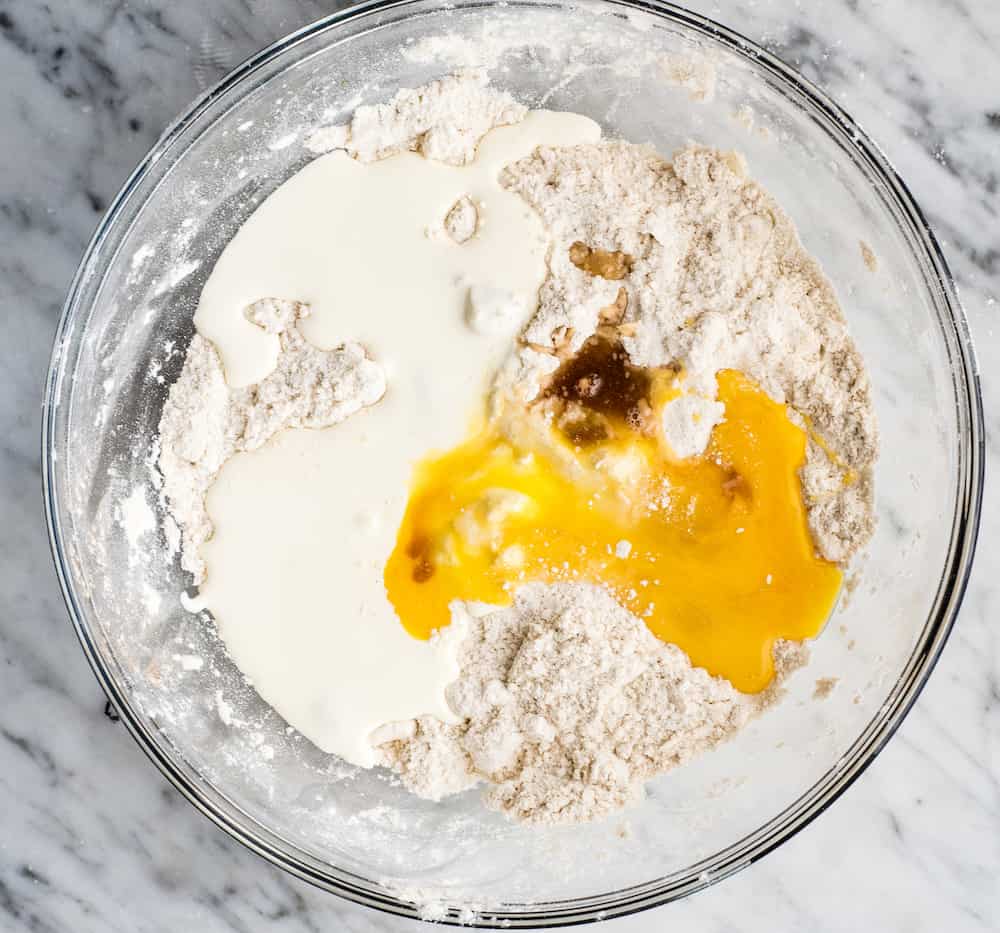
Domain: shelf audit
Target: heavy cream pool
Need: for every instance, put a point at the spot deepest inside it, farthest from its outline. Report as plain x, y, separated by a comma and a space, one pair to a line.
304, 525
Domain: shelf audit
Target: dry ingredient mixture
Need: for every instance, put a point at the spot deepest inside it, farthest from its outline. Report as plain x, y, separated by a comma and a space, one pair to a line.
566, 702
204, 422
570, 704
718, 280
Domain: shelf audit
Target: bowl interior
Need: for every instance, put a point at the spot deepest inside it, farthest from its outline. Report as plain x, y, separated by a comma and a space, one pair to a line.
123, 343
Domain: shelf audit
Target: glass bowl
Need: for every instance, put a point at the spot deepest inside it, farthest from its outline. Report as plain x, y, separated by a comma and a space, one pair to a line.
120, 343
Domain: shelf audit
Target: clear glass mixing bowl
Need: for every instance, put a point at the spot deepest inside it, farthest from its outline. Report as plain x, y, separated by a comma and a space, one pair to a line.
120, 343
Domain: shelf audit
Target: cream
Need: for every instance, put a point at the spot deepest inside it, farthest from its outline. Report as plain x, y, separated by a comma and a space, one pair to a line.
304, 524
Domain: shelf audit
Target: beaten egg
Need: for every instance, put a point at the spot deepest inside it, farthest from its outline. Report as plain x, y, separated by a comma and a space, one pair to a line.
713, 552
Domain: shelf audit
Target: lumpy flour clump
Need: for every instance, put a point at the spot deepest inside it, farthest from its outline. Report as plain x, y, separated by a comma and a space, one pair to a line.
443, 120
204, 422
569, 705
718, 280
565, 702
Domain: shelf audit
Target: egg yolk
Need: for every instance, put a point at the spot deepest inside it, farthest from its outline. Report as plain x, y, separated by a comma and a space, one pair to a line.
712, 552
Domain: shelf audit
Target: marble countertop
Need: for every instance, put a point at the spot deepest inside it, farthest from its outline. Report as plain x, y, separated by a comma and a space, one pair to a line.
93, 839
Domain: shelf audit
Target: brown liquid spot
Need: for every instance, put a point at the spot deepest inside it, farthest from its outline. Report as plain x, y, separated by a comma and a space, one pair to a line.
417, 550
614, 313
598, 381
735, 484
641, 419
418, 545
606, 264
582, 427
423, 570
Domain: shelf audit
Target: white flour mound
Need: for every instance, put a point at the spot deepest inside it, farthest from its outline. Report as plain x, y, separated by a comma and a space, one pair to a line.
204, 422
719, 280
568, 701
443, 120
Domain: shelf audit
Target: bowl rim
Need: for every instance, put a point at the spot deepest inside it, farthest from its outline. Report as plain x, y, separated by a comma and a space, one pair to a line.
825, 790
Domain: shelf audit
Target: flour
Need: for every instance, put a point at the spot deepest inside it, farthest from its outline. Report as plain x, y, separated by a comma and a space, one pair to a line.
694, 73
570, 705
718, 280
204, 422
443, 120
462, 219
688, 422
567, 702
494, 311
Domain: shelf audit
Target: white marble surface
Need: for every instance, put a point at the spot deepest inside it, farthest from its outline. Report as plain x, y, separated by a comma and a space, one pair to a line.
93, 839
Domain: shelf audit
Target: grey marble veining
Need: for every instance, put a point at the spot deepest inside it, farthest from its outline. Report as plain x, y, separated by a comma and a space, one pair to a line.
93, 839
